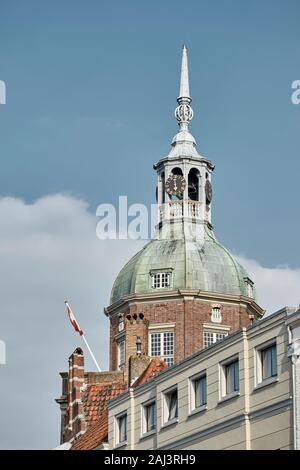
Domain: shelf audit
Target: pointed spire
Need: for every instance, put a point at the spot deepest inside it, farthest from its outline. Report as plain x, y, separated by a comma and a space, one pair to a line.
183, 112
184, 91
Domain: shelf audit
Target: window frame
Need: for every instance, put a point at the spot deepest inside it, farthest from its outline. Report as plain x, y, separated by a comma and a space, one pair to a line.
162, 272
162, 345
160, 280
120, 341
145, 407
214, 333
193, 408
118, 418
166, 406
223, 368
260, 381
216, 318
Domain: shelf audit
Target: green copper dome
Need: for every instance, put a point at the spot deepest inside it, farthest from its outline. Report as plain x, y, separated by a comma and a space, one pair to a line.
202, 265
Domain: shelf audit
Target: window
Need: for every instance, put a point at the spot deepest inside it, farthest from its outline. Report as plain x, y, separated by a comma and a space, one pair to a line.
199, 392
249, 287
149, 417
267, 362
211, 337
121, 323
171, 405
121, 354
162, 344
232, 380
160, 280
216, 314
122, 429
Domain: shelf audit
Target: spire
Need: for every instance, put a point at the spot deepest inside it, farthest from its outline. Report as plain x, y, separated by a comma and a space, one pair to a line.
183, 112
184, 91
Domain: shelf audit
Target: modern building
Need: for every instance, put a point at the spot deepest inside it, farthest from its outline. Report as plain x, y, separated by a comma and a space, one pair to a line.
182, 301
240, 393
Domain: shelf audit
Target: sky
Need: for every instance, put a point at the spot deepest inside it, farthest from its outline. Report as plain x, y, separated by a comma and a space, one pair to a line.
91, 92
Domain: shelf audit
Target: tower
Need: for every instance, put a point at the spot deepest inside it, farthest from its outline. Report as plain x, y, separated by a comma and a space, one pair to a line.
183, 291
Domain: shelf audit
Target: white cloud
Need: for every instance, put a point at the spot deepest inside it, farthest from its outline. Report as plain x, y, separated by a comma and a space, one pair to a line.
49, 252
276, 287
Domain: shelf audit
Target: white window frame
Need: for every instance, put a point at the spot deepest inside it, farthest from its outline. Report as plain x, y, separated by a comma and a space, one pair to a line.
118, 418
250, 287
260, 381
160, 280
120, 342
214, 334
192, 387
223, 379
169, 358
121, 323
166, 406
145, 406
216, 316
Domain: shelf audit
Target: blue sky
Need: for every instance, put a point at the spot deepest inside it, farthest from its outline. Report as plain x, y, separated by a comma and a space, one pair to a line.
91, 89
91, 93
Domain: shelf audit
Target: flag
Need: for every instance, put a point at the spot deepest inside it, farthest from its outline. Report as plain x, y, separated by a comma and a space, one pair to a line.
73, 319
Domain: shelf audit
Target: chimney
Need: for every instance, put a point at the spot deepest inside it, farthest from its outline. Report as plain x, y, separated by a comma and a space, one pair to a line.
137, 363
76, 422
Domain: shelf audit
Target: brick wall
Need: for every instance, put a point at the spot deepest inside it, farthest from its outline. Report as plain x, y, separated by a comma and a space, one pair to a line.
188, 314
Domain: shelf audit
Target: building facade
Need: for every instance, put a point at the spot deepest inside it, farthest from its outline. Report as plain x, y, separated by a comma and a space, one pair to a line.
183, 290
193, 364
240, 393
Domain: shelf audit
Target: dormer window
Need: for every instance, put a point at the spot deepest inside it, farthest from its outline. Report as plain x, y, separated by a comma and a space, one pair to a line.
160, 280
249, 287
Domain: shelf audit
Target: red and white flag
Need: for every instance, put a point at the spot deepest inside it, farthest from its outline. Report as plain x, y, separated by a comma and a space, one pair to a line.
73, 320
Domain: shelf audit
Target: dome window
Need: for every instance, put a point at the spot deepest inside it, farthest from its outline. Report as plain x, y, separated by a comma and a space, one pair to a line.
160, 280
249, 287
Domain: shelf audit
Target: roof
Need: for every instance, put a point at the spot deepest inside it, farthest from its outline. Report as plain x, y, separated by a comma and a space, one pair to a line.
96, 396
95, 399
201, 264
156, 365
95, 435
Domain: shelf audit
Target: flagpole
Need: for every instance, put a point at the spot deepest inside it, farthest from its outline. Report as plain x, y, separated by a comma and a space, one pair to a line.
91, 353
79, 330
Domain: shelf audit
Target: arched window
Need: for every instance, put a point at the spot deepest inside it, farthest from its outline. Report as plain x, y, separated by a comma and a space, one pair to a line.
194, 184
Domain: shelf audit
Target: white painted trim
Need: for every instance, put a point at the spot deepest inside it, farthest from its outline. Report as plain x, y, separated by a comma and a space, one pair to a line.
213, 326
161, 326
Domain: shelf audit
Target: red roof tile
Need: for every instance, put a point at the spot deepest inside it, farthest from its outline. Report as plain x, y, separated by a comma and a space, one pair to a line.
95, 398
96, 433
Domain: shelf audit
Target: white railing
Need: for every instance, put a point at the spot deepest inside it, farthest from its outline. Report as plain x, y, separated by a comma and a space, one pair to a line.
179, 209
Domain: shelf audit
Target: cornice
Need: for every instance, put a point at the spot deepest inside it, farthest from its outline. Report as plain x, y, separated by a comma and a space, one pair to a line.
182, 294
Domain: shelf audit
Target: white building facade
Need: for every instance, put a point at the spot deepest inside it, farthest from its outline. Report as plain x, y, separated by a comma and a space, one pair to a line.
242, 392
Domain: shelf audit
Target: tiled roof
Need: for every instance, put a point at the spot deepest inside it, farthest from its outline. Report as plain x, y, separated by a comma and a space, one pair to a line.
156, 365
95, 399
96, 433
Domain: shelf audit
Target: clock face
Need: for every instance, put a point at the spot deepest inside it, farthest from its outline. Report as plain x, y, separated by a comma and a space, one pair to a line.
175, 185
208, 192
